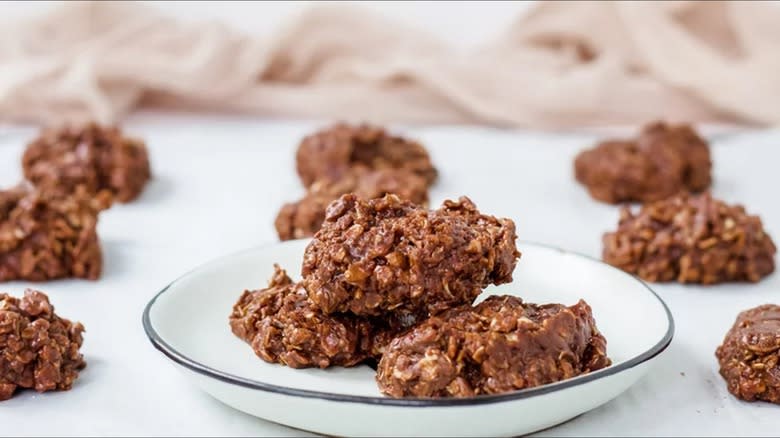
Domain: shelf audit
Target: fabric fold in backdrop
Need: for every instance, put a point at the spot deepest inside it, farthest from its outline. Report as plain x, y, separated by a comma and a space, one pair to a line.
561, 64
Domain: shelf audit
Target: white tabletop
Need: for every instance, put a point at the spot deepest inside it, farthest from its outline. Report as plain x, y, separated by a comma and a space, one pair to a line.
218, 183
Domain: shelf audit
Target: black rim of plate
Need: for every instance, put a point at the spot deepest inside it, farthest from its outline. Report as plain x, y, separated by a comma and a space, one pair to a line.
205, 370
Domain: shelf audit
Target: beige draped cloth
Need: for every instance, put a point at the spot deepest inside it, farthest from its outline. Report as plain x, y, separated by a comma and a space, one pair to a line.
562, 64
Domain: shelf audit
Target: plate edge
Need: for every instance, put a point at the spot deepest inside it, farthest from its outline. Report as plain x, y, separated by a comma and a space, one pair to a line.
200, 368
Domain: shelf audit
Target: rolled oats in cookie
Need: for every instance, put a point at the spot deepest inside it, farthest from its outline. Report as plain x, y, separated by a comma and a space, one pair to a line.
304, 217
691, 239
93, 156
497, 346
283, 327
48, 235
386, 255
331, 152
749, 357
662, 161
38, 349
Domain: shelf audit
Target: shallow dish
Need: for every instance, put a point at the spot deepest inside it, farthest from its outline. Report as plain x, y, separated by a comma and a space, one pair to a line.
188, 322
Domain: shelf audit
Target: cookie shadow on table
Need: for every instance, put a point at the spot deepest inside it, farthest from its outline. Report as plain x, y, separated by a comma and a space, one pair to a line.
159, 189
91, 375
747, 290
222, 409
676, 367
87, 377
115, 261
724, 187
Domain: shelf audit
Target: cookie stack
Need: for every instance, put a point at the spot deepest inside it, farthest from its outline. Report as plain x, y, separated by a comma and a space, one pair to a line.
362, 159
390, 283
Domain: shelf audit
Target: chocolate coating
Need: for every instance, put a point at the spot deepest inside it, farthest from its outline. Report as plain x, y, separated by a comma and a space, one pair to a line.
95, 157
381, 255
330, 153
49, 235
500, 345
38, 349
283, 327
749, 357
691, 239
304, 217
662, 161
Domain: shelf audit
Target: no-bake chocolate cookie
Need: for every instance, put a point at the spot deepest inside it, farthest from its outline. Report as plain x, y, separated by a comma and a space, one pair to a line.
500, 345
282, 326
385, 254
95, 157
304, 217
330, 153
691, 239
662, 161
38, 349
47, 235
750, 355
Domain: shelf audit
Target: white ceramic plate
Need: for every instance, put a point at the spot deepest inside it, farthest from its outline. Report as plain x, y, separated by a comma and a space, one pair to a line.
188, 322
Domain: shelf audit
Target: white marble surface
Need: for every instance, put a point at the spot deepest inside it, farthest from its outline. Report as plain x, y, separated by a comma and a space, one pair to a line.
218, 184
